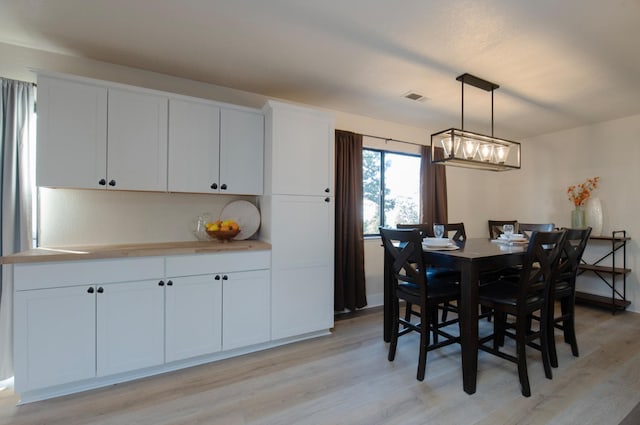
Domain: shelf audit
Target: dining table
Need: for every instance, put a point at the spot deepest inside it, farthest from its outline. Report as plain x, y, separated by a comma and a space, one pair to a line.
471, 258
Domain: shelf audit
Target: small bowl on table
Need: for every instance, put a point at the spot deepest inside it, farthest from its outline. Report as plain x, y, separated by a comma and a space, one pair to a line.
223, 235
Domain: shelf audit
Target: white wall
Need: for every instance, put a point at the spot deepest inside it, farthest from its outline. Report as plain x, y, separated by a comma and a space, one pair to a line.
535, 193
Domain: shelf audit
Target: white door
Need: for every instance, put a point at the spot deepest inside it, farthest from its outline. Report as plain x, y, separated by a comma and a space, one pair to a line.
54, 336
302, 265
193, 316
130, 326
72, 134
137, 141
302, 150
246, 311
241, 152
194, 147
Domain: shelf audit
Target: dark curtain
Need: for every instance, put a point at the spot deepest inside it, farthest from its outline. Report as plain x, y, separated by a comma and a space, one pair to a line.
433, 188
349, 241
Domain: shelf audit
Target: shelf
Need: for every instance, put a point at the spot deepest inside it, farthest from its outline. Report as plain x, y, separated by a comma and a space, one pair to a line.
604, 269
601, 301
609, 273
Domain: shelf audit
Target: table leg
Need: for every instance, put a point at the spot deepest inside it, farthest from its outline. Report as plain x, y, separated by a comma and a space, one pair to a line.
469, 327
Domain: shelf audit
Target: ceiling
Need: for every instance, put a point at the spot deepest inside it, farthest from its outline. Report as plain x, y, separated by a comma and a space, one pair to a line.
559, 64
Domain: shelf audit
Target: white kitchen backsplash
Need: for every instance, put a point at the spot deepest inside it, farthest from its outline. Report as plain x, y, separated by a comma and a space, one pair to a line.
99, 217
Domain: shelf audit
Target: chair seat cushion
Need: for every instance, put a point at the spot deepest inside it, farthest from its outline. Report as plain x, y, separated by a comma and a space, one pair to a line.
505, 292
563, 289
438, 290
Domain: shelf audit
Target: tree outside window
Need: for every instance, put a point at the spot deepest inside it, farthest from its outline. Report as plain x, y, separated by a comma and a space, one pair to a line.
391, 189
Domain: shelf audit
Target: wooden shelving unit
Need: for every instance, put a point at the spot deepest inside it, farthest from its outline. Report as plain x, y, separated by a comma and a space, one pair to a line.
609, 274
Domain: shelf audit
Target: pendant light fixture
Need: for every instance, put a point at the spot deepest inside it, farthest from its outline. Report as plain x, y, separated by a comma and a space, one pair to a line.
464, 148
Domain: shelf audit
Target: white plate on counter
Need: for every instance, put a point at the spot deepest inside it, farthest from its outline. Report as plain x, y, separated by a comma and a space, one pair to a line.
245, 214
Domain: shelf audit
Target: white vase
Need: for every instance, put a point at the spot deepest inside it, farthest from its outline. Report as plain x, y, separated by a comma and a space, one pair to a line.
594, 216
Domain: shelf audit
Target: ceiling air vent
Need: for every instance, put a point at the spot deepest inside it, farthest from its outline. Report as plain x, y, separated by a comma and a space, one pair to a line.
414, 96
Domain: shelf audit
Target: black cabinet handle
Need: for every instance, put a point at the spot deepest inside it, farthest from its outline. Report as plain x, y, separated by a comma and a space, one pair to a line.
161, 283
102, 182
100, 290
327, 199
170, 283
90, 290
217, 277
225, 277
327, 190
112, 182
223, 186
214, 186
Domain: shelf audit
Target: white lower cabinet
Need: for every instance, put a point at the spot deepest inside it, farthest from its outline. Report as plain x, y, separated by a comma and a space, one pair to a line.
246, 308
193, 316
54, 336
86, 324
129, 326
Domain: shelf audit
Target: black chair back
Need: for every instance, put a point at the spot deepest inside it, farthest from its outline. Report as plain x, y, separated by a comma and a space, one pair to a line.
404, 246
528, 228
495, 227
424, 228
571, 255
543, 254
459, 234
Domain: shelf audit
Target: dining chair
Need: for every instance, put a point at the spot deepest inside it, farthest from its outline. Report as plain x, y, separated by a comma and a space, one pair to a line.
527, 228
564, 291
410, 283
530, 295
454, 231
495, 227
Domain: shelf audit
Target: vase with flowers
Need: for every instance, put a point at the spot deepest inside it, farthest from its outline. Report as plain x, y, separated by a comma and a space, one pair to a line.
578, 194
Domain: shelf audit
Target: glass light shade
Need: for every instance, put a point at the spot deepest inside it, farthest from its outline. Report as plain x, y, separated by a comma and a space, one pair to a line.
485, 151
474, 150
469, 148
450, 145
500, 154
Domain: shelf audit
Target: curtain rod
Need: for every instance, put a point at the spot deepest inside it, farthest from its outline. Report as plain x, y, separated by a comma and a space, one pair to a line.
389, 139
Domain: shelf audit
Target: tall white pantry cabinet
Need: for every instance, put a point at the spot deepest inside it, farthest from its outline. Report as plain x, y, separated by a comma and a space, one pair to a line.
298, 217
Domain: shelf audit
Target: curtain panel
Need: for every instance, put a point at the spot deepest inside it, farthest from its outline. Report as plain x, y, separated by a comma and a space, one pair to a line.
350, 290
16, 131
433, 188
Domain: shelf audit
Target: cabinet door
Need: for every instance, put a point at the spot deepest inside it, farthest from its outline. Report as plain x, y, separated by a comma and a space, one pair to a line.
246, 312
194, 147
137, 141
72, 134
193, 316
302, 265
54, 334
241, 152
130, 326
302, 151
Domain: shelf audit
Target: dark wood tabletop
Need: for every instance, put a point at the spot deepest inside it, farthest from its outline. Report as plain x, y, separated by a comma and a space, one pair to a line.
474, 256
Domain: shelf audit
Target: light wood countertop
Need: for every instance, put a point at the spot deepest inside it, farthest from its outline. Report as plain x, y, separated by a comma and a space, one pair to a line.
75, 253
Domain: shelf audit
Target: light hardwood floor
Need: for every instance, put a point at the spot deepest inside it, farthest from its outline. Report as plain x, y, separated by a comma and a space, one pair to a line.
345, 378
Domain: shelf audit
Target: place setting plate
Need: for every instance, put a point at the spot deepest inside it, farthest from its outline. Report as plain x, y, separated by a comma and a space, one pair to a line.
439, 244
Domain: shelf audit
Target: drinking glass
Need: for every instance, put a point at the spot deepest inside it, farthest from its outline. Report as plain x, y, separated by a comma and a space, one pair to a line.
438, 230
507, 229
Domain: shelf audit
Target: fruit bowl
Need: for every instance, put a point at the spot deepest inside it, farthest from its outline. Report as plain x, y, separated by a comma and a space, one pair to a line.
223, 235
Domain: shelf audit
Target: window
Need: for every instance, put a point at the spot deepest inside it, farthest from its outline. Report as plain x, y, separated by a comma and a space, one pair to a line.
391, 189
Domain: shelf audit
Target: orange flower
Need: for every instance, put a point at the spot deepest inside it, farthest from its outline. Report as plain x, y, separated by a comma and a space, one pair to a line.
579, 193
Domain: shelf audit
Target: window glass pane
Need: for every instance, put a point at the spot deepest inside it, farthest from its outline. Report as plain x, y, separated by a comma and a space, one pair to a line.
402, 189
371, 180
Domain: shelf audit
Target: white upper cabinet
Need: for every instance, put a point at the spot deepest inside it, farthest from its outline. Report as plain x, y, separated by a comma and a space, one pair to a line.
98, 135
194, 146
72, 134
299, 150
213, 149
137, 141
241, 151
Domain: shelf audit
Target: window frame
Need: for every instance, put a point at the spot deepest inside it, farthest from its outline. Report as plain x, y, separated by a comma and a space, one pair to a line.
381, 200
